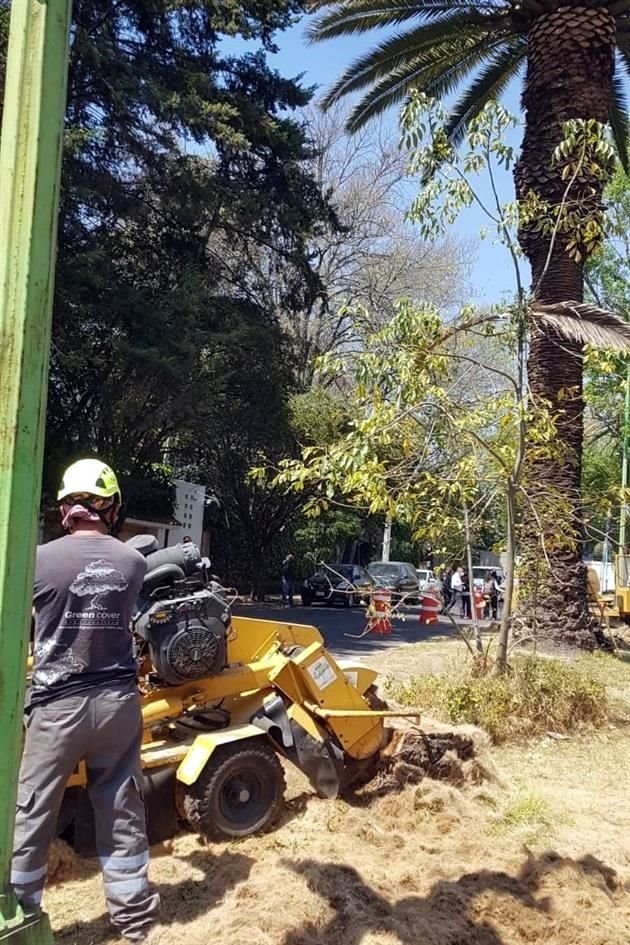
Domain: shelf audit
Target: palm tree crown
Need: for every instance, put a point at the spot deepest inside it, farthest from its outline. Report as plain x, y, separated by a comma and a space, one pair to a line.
441, 45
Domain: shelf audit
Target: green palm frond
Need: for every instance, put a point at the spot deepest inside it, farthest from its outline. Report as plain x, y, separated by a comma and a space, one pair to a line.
438, 72
488, 84
623, 49
360, 16
402, 48
421, 5
354, 18
438, 47
439, 82
619, 120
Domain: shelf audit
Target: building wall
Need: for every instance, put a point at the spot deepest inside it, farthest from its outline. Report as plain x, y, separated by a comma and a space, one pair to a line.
488, 559
135, 526
190, 500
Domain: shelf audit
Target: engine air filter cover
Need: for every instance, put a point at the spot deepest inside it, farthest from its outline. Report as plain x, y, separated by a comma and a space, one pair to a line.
197, 650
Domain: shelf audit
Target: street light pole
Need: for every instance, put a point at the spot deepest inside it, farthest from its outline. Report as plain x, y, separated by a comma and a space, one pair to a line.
30, 160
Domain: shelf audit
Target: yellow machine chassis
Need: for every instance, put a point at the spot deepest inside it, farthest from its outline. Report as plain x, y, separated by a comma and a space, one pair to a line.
264, 658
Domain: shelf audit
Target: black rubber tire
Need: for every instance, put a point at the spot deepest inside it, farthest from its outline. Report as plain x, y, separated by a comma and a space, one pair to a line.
307, 600
209, 804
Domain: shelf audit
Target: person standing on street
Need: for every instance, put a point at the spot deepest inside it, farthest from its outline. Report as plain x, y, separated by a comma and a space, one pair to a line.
446, 578
288, 579
457, 587
466, 610
84, 703
491, 595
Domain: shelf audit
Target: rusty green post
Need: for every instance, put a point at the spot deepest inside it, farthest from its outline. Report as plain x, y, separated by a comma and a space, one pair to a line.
30, 159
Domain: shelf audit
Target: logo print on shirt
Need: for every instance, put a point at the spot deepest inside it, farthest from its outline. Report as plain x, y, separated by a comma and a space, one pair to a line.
99, 577
54, 663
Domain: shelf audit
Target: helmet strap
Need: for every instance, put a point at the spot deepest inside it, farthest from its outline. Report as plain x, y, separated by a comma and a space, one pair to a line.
109, 516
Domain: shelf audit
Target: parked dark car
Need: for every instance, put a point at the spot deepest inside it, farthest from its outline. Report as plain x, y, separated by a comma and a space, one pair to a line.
398, 577
346, 584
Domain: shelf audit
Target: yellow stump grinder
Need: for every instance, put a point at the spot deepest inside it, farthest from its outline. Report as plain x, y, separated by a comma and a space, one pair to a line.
224, 697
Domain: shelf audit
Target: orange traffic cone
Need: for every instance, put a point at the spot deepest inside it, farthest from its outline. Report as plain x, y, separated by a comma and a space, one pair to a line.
380, 622
429, 609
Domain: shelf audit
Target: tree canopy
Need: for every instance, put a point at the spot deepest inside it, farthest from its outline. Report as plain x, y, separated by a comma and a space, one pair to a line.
186, 193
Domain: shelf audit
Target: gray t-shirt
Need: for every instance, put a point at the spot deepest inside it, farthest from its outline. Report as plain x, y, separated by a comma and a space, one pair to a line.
86, 588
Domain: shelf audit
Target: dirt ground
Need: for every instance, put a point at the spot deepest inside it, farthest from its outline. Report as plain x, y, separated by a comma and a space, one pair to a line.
537, 851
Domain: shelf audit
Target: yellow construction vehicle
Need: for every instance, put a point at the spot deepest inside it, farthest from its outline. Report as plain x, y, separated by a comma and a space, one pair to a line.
622, 587
611, 606
223, 698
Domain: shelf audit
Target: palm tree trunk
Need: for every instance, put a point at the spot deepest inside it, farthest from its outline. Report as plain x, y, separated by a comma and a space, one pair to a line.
569, 75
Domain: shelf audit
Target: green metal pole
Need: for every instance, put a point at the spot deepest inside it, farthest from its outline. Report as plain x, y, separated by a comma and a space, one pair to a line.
624, 467
30, 159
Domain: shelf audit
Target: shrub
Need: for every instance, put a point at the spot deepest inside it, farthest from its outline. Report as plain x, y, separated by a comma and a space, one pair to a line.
538, 695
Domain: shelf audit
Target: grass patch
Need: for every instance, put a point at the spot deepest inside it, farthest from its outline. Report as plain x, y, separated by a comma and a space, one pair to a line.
527, 815
614, 673
537, 696
526, 810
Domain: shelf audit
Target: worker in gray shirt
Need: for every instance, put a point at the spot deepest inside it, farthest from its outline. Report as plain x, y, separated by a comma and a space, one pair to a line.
83, 702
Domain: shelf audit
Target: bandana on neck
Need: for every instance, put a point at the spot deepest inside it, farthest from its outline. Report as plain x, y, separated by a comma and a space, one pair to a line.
70, 512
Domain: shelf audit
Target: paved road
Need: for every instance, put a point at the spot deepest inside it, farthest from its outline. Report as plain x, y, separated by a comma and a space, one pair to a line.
335, 623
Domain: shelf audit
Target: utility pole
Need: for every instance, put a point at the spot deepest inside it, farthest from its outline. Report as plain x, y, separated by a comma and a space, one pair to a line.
624, 467
30, 160
606, 555
471, 582
387, 540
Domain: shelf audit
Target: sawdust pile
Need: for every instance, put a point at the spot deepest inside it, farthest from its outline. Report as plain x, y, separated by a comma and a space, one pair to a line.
419, 864
62, 862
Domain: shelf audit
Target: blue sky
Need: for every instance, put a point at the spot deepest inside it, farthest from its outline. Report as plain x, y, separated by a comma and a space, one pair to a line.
320, 63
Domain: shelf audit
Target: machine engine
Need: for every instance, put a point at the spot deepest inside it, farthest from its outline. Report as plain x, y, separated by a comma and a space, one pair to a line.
183, 614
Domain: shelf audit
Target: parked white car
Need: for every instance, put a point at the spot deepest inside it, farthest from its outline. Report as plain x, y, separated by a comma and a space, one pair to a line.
479, 576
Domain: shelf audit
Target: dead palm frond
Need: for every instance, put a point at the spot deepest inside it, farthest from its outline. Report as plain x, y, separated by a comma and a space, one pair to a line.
584, 323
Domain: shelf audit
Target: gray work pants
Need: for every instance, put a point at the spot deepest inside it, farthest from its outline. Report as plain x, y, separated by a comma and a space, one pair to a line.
103, 727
